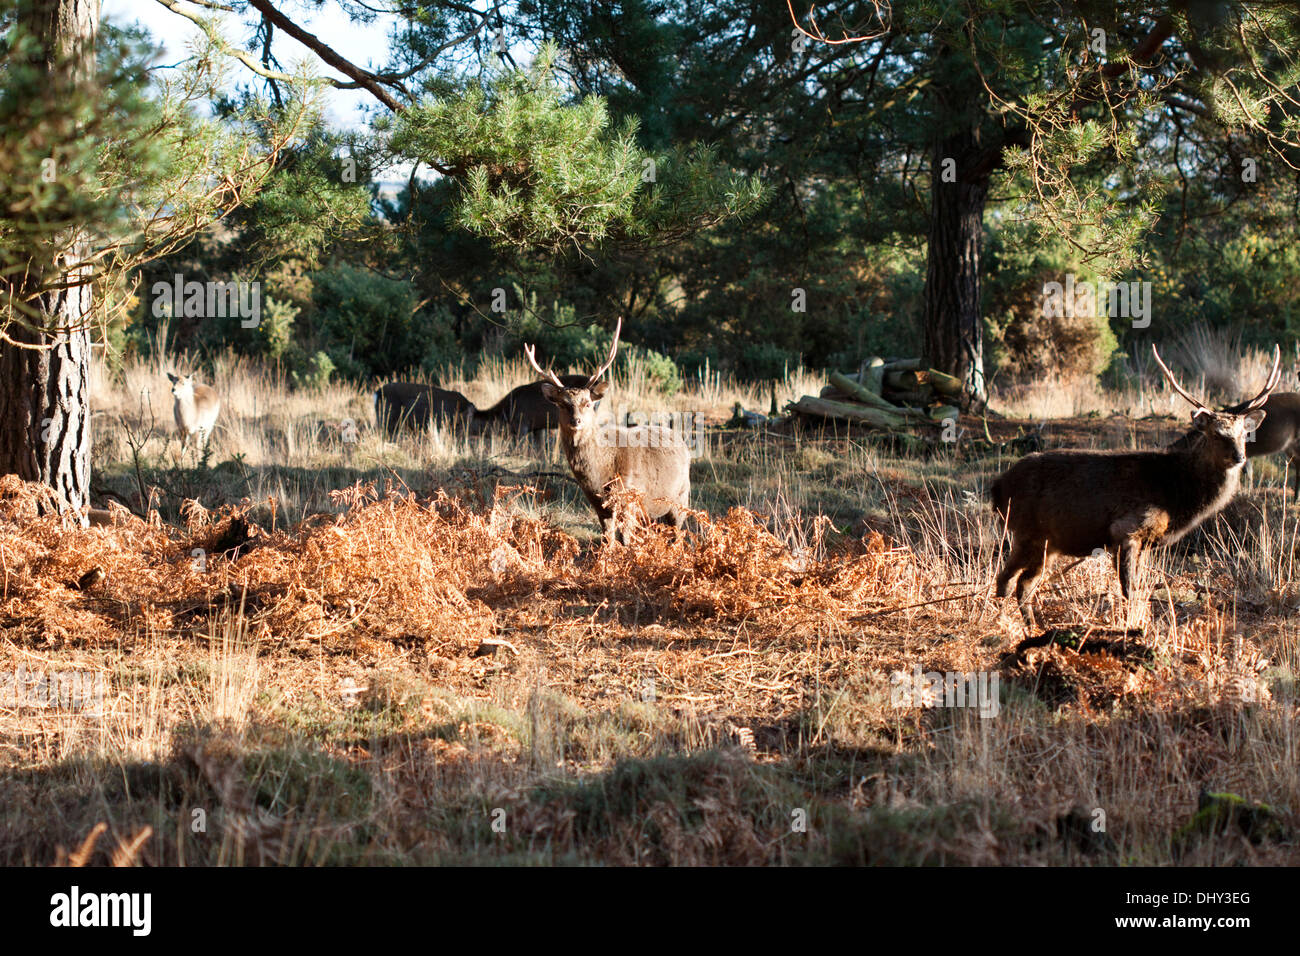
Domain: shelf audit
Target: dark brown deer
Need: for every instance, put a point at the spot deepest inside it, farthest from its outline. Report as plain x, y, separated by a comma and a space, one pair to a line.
525, 409
414, 405
652, 461
1278, 434
1077, 502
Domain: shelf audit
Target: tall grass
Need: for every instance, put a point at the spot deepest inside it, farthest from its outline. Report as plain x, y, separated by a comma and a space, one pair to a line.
388, 684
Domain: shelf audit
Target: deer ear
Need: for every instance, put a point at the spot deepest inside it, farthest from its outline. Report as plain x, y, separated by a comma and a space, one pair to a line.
598, 390
1254, 417
550, 393
1202, 418
173, 378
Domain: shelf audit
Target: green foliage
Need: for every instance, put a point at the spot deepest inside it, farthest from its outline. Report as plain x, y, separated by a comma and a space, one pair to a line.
634, 360
65, 149
554, 329
366, 322
315, 372
317, 196
564, 342
658, 369
1025, 342
118, 168
276, 327
763, 361
644, 150
434, 328
1239, 270
544, 172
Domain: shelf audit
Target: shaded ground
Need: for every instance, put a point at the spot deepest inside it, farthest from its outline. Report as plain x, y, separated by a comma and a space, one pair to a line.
461, 678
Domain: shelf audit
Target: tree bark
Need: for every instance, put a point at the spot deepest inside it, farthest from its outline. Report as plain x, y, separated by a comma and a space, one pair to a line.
44, 406
954, 334
44, 370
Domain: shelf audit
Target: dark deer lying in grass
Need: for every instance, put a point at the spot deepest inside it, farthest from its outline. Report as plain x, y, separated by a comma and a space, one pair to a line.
651, 460
414, 405
1076, 502
525, 409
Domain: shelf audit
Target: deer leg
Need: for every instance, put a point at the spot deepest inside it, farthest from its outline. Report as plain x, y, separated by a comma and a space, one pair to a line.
1016, 561
1127, 559
608, 527
1030, 578
676, 518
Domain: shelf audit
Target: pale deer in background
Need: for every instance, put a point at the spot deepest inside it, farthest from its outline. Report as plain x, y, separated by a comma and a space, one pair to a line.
195, 408
652, 461
1079, 502
415, 405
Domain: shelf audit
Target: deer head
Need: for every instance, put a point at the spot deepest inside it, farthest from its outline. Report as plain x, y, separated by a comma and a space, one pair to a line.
1224, 434
577, 405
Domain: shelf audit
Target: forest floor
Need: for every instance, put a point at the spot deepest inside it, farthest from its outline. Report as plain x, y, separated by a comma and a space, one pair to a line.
419, 652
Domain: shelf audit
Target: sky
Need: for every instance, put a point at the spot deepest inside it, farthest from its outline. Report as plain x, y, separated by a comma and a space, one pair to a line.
363, 44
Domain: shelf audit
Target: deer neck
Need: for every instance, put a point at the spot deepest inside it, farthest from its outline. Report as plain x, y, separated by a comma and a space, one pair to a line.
591, 463
1211, 485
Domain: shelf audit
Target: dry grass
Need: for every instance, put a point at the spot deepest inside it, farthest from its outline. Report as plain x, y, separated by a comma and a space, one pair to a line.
452, 669
1210, 363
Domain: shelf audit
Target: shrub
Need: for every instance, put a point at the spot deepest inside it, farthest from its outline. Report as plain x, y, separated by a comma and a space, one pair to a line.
315, 372
366, 322
1029, 343
275, 331
763, 361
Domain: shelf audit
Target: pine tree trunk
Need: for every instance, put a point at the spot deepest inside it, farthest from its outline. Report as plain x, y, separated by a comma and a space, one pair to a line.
954, 335
44, 371
44, 407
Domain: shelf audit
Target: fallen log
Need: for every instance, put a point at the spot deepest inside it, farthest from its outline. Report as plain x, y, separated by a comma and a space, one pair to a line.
874, 376
908, 381
860, 392
843, 411
944, 383
904, 365
917, 398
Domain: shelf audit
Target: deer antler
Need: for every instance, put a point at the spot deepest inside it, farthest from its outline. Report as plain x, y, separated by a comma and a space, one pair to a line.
618, 327
1273, 378
1196, 402
547, 374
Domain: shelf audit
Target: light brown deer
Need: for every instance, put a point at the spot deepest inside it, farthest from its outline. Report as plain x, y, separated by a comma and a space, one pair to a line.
652, 461
414, 405
195, 409
1077, 502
